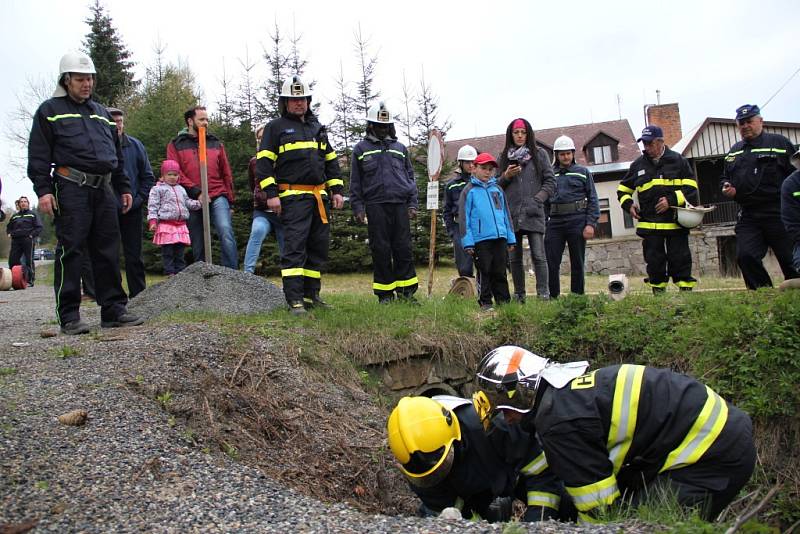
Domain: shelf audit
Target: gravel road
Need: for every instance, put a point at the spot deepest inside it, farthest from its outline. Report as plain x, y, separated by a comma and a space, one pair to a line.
129, 469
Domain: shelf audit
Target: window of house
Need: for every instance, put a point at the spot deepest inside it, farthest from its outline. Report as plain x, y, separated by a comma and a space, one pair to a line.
627, 219
604, 222
602, 154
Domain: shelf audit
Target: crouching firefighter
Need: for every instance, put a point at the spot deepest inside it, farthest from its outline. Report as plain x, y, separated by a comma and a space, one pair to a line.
296, 166
454, 459
383, 192
624, 430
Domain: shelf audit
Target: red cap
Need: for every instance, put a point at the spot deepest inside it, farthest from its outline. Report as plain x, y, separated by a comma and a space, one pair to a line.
485, 157
519, 123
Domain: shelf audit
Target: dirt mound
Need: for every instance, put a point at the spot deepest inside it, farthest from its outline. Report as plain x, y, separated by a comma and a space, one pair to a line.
209, 288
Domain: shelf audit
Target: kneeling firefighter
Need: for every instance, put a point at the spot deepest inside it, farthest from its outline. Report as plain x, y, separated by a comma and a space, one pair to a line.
624, 430
451, 460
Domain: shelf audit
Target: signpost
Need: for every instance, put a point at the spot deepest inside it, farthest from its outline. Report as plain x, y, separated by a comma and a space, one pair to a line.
201, 152
435, 159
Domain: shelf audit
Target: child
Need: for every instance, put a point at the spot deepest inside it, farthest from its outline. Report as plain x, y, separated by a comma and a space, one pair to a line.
167, 212
486, 230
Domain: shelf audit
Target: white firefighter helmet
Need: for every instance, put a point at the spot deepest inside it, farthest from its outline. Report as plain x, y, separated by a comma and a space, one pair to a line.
380, 114
73, 62
295, 87
691, 216
563, 143
467, 153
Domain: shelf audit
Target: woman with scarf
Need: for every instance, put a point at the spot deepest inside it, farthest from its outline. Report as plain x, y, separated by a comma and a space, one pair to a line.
528, 180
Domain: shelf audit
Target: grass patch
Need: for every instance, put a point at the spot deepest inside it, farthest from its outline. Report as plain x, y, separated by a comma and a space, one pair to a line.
66, 351
7, 371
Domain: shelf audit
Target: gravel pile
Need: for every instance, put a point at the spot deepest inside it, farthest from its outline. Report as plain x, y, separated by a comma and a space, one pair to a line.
130, 467
209, 288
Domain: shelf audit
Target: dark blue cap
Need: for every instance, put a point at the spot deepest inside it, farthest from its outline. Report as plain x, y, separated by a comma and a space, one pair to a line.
747, 111
651, 132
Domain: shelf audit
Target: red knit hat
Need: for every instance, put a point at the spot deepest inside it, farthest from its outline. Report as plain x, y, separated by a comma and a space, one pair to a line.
170, 165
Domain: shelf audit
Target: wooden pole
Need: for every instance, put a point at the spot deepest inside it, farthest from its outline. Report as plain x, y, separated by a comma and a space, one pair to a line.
201, 133
432, 252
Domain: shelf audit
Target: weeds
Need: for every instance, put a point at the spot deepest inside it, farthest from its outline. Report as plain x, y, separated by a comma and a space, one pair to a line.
164, 399
66, 351
7, 371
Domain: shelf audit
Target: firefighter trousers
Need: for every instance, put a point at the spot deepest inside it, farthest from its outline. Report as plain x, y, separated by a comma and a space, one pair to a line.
754, 235
87, 220
668, 255
21, 253
305, 246
389, 233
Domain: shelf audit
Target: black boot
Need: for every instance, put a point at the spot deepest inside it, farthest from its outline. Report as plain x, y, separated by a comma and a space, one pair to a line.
315, 302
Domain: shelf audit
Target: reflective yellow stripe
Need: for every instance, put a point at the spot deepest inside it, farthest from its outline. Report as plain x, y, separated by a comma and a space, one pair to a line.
298, 145
266, 181
622, 189
367, 153
736, 153
384, 287
660, 284
657, 226
590, 496
396, 152
701, 436
330, 155
299, 192
537, 466
776, 150
541, 498
666, 182
684, 283
796, 194
587, 518
266, 154
623, 198
103, 119
407, 283
309, 273
584, 177
680, 198
690, 182
334, 181
55, 118
624, 412
295, 271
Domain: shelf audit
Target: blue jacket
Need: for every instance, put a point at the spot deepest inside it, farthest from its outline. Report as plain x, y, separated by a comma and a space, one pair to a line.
575, 184
137, 169
483, 214
452, 192
381, 173
790, 206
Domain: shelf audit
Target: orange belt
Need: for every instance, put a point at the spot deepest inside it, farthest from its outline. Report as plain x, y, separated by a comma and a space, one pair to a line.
316, 190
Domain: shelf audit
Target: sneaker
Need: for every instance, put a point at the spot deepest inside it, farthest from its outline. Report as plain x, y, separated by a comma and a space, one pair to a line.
75, 328
126, 319
297, 307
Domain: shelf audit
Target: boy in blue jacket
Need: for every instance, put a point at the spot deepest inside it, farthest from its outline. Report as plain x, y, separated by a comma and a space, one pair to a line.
486, 231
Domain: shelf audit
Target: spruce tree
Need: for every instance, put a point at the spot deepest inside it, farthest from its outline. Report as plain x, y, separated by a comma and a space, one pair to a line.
111, 58
365, 92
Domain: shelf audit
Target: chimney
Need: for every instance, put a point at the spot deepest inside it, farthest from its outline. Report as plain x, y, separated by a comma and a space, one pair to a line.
668, 118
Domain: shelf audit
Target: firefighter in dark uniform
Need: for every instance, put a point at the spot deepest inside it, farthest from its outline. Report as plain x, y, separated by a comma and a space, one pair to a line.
451, 461
383, 191
452, 192
661, 178
755, 169
76, 165
23, 228
295, 165
790, 214
625, 430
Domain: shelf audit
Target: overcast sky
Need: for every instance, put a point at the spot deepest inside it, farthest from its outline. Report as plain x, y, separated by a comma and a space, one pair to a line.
554, 63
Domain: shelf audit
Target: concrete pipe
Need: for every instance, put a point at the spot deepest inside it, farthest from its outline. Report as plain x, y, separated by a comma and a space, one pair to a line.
5, 279
617, 286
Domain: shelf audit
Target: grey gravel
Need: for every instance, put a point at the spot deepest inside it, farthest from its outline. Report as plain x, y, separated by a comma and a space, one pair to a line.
130, 468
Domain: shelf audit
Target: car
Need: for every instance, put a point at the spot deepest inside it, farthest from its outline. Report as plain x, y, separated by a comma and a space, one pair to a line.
43, 254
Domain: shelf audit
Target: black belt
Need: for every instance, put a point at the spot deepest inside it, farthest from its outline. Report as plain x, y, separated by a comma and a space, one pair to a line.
81, 178
568, 207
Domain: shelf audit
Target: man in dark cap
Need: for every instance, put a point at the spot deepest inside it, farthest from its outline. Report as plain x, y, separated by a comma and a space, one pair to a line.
755, 169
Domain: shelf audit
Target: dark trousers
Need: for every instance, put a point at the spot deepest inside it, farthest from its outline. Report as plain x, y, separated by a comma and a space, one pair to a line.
490, 258
390, 243
130, 230
21, 253
87, 277
464, 262
668, 255
305, 246
565, 230
87, 219
754, 234
172, 258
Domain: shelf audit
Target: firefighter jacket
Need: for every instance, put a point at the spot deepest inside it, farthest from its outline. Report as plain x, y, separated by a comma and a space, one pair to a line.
184, 149
24, 224
81, 136
452, 192
502, 462
381, 173
484, 214
574, 184
606, 431
757, 168
671, 177
296, 153
790, 206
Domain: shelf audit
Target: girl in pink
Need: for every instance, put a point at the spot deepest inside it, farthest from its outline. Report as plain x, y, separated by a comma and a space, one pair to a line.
167, 212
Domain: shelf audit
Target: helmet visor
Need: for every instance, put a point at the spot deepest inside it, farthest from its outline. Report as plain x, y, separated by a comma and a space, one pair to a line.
519, 396
427, 469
